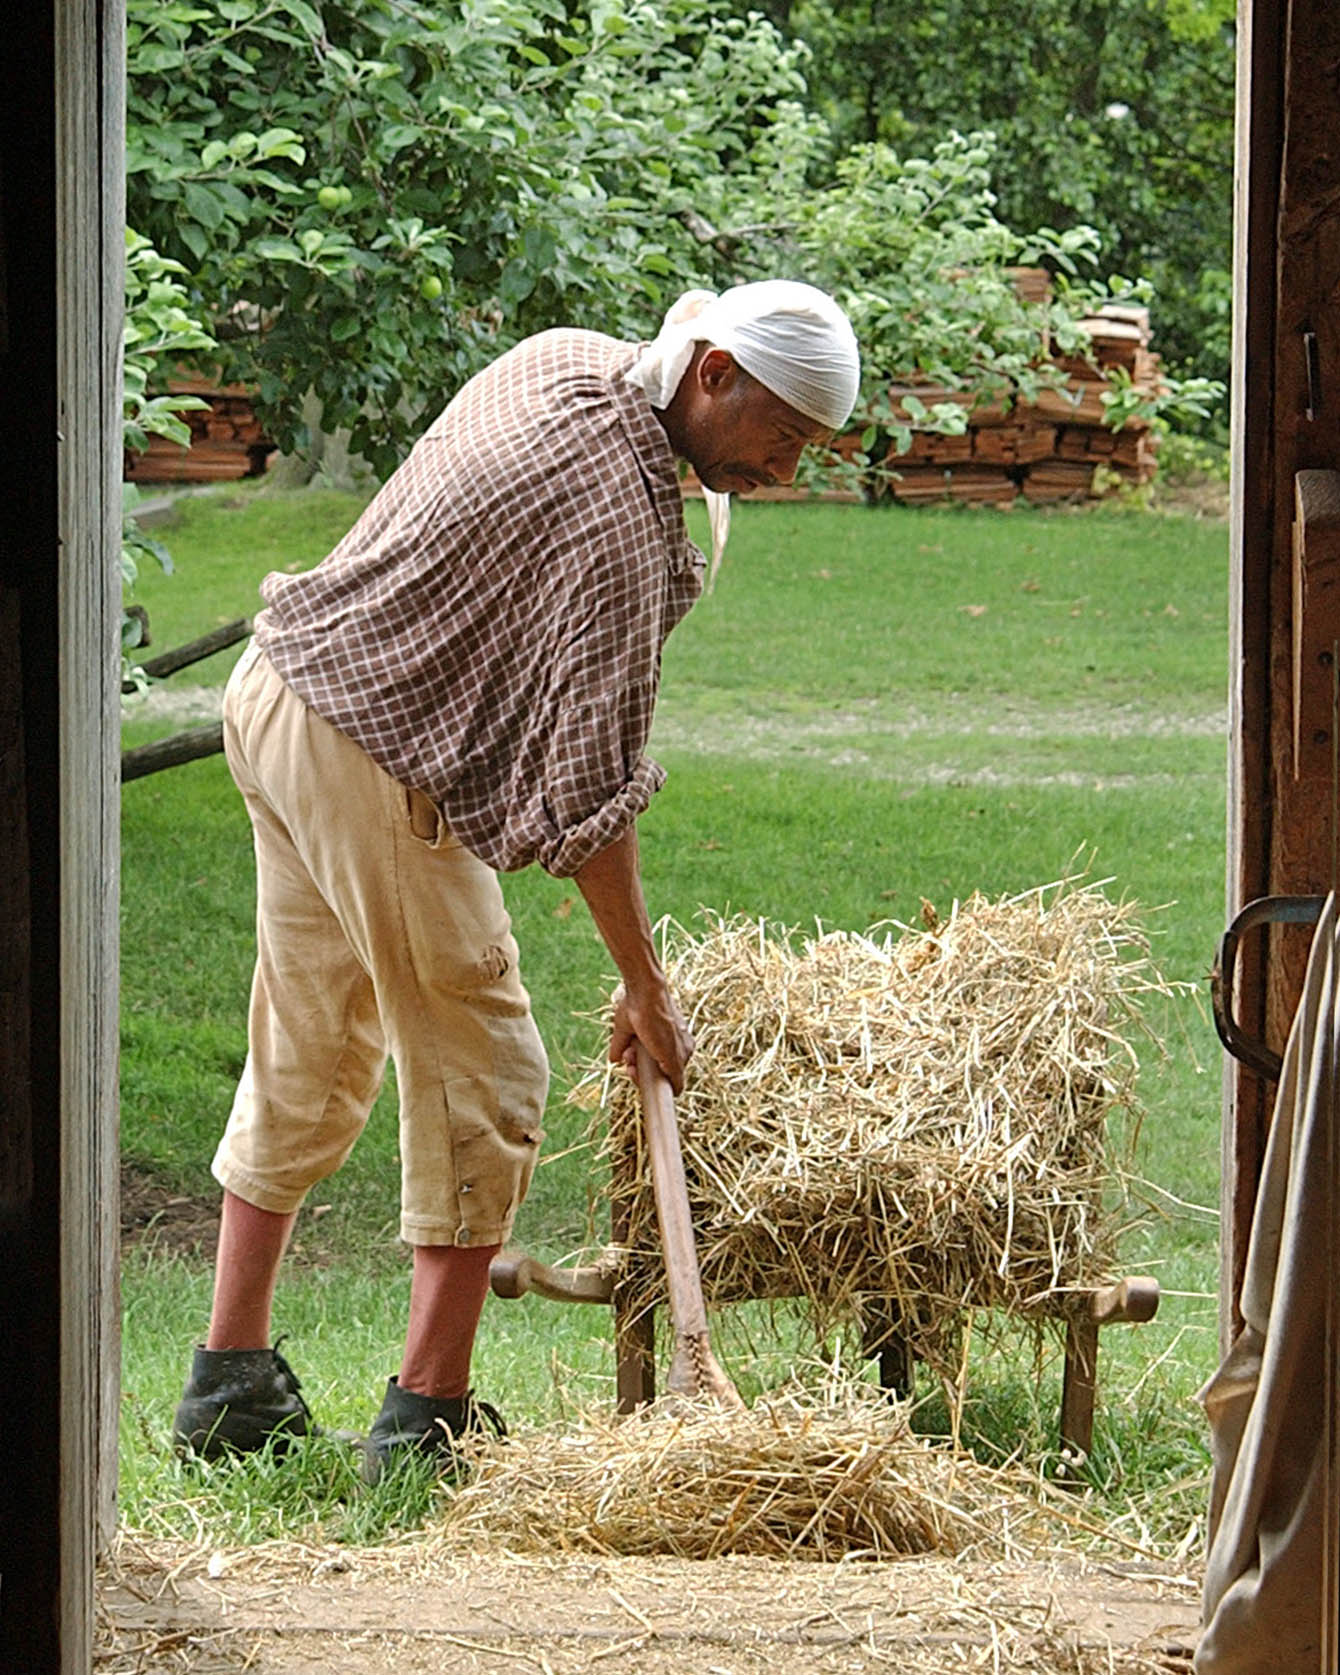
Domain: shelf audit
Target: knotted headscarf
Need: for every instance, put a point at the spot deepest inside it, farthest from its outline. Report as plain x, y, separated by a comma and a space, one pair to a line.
792, 337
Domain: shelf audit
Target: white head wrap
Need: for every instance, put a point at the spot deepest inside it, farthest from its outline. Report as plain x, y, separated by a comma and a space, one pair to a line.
792, 337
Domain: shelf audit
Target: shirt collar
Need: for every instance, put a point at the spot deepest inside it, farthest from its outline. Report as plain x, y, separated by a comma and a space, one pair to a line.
657, 459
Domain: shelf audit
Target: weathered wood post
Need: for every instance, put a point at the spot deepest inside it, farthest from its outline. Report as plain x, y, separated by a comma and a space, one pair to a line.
61, 266
1284, 623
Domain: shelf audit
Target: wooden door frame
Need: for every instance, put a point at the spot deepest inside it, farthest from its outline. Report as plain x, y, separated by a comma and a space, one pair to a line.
60, 266
61, 278
1286, 420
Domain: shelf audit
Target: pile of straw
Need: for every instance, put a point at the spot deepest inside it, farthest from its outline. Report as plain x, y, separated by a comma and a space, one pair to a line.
794, 1477
923, 1117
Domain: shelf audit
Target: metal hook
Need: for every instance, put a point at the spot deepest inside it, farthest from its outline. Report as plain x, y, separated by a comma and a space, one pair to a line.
1312, 360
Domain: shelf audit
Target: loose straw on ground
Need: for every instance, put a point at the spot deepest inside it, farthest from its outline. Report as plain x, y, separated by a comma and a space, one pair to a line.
170, 1606
793, 1477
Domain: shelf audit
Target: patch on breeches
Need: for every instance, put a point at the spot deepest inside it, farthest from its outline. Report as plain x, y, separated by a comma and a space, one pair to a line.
492, 964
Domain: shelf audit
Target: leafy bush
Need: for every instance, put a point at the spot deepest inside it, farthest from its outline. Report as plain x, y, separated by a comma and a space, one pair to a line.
159, 328
1114, 113
376, 197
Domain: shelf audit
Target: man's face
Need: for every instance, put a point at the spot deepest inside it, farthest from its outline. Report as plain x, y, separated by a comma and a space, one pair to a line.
739, 435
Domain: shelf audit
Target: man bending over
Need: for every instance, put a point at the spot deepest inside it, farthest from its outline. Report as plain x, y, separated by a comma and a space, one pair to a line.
465, 686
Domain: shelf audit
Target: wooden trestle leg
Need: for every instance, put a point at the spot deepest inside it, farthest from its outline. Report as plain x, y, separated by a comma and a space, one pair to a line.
634, 1355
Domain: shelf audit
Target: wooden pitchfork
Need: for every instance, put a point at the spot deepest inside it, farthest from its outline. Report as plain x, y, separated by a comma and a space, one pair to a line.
694, 1370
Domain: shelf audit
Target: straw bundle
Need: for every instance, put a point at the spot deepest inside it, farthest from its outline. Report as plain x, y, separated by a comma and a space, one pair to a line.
922, 1117
793, 1477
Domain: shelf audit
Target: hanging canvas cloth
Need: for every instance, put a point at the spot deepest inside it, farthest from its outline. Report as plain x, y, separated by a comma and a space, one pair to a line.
1267, 1595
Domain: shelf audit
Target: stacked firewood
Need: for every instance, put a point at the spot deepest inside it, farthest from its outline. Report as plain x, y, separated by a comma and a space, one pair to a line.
1044, 450
227, 440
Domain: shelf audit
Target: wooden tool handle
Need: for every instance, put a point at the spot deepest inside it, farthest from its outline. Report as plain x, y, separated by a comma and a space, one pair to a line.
694, 1370
683, 1280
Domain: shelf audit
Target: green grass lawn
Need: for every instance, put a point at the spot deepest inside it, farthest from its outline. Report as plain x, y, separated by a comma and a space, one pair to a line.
873, 707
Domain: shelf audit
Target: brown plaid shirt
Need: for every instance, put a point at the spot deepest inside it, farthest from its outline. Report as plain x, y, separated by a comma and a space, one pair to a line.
490, 630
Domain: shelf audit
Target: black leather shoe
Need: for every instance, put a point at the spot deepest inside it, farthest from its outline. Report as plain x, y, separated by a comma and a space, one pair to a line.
410, 1426
236, 1400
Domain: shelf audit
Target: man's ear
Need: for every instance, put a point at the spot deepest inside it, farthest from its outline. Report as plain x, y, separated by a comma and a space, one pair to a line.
716, 371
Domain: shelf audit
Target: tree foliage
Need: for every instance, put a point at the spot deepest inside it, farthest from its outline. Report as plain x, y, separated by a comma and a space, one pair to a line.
372, 198
160, 326
376, 196
1117, 114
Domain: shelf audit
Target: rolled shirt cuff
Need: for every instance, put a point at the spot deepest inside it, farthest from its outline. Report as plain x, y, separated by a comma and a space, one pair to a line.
568, 852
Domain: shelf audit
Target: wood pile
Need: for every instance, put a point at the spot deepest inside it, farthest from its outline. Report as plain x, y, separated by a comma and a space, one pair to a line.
227, 440
1045, 450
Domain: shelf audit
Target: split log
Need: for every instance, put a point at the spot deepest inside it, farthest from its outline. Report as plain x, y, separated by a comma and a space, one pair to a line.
194, 651
190, 746
931, 447
1019, 444
1138, 449
917, 484
1058, 480
1031, 284
1080, 400
930, 395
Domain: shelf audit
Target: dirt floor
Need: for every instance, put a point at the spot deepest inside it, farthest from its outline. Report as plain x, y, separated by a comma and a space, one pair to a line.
305, 1611
176, 1609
